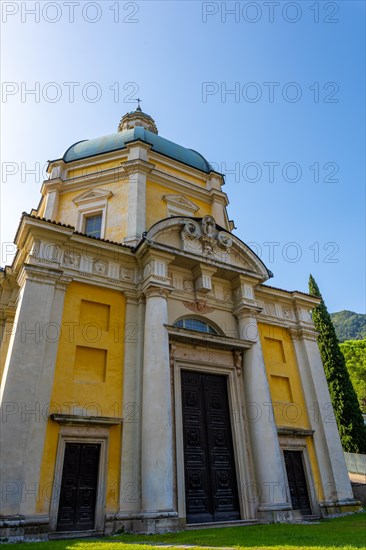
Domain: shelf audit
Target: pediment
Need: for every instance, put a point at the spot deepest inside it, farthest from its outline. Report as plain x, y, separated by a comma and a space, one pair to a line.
92, 195
203, 239
181, 204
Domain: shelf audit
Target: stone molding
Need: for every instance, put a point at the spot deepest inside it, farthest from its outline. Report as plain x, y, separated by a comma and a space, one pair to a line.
186, 336
80, 420
137, 166
43, 275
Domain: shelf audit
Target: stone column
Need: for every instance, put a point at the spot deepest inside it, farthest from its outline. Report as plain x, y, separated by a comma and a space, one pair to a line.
27, 384
6, 331
268, 463
333, 470
157, 430
130, 490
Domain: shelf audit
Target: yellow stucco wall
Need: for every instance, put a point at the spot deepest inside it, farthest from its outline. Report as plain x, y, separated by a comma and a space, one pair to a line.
88, 374
284, 379
287, 394
156, 207
198, 179
97, 166
116, 219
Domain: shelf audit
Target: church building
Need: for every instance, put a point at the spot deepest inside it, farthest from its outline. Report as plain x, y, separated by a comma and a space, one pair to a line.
151, 378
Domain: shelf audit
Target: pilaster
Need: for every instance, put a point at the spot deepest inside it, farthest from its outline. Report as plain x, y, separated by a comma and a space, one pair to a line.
52, 190
137, 168
333, 471
271, 482
27, 384
131, 401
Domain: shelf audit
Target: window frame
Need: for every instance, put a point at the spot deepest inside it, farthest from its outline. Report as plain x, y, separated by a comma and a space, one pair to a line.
186, 320
94, 201
98, 214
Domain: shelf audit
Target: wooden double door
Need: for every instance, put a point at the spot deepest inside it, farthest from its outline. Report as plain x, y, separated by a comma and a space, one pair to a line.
297, 481
78, 487
210, 479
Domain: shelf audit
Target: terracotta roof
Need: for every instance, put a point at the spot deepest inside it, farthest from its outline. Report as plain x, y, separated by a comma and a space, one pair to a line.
47, 220
288, 291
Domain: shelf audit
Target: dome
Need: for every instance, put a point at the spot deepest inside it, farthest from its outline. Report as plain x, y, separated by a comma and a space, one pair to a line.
119, 140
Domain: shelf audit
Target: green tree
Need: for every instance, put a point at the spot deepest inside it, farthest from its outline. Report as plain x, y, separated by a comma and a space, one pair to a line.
354, 352
344, 399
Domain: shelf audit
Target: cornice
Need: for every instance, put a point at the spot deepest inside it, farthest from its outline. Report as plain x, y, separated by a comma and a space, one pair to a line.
137, 165
186, 336
105, 177
80, 420
287, 295
119, 155
219, 196
181, 167
179, 185
54, 184
294, 432
186, 255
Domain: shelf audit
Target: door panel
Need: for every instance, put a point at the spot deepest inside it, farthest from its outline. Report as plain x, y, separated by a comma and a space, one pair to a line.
78, 487
211, 487
297, 481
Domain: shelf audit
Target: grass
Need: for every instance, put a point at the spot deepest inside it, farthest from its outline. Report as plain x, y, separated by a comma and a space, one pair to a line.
345, 533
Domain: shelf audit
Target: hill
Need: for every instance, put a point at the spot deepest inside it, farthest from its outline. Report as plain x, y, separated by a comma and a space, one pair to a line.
349, 325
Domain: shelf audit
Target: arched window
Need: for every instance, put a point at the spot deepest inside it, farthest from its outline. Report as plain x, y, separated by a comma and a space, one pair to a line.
195, 324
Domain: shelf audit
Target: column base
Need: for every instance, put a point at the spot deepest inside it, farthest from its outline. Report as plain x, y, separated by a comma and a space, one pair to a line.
282, 513
21, 528
146, 523
344, 506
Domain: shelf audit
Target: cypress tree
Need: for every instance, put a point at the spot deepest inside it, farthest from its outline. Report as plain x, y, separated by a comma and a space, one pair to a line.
344, 399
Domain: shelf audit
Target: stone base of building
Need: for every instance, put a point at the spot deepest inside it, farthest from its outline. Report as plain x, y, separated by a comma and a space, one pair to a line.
340, 507
144, 523
280, 514
21, 528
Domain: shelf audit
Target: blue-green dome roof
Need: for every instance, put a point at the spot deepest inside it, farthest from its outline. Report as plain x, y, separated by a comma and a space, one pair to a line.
114, 142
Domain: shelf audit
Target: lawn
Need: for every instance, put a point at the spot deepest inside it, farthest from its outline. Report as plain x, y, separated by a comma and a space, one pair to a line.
345, 533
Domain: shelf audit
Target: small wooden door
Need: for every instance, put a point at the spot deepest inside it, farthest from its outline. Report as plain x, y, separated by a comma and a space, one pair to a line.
78, 487
297, 481
210, 479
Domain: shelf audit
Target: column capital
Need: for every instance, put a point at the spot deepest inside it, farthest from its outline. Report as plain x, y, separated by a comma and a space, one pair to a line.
131, 296
38, 274
137, 166
63, 282
303, 333
247, 310
153, 291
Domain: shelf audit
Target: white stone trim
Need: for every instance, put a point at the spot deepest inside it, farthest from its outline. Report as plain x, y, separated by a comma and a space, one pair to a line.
179, 205
202, 362
77, 434
92, 202
299, 444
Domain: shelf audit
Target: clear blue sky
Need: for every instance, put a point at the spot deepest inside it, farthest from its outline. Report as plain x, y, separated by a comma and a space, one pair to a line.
299, 165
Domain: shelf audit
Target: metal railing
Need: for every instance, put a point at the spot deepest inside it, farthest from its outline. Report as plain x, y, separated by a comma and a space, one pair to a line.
356, 463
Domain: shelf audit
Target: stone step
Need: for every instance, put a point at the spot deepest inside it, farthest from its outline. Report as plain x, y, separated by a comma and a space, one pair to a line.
74, 534
211, 525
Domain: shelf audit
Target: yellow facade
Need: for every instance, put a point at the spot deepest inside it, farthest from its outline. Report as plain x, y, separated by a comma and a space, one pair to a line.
89, 375
157, 207
289, 406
